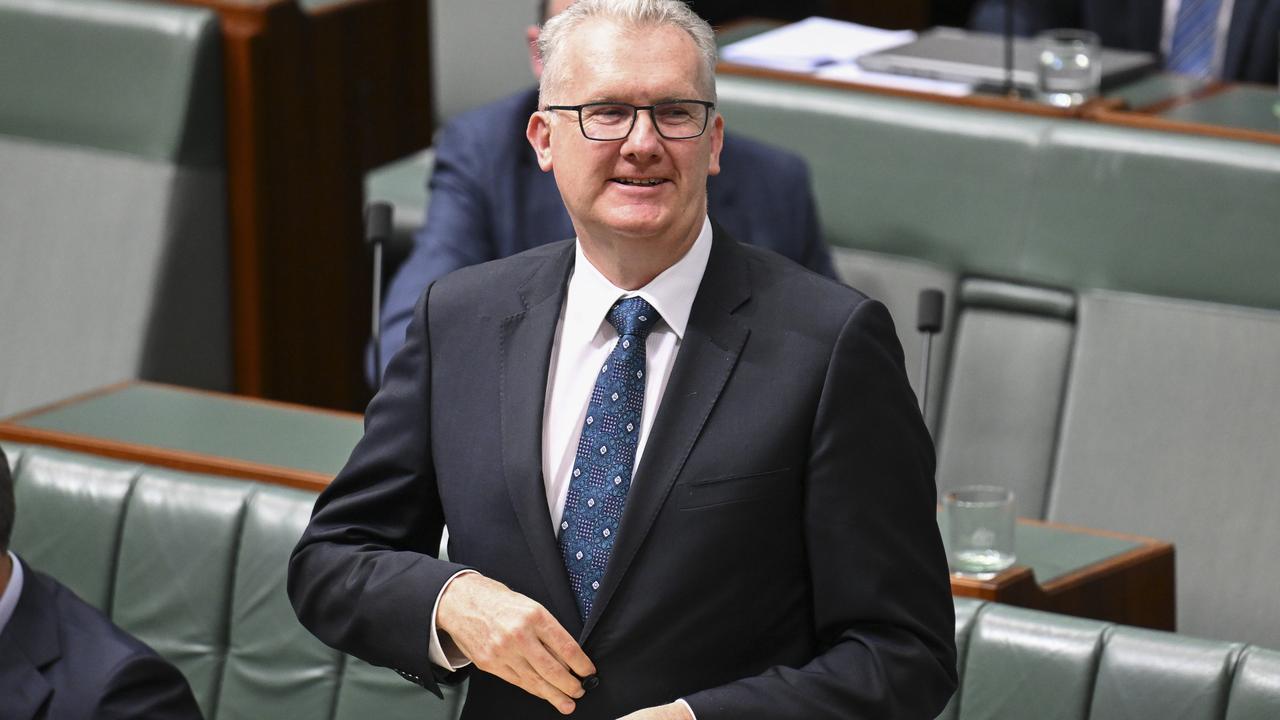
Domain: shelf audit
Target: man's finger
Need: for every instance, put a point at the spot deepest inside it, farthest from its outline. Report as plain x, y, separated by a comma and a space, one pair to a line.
553, 671
529, 680
564, 648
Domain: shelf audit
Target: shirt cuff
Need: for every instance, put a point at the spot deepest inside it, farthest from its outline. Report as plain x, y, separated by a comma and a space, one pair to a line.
692, 714
448, 658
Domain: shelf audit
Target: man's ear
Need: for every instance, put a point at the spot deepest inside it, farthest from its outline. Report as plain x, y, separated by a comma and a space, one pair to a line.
539, 135
717, 142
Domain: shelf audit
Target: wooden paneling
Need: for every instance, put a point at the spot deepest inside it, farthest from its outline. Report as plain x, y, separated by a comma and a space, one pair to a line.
314, 100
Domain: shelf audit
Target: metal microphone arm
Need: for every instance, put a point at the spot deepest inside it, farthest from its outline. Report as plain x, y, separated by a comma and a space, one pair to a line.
377, 230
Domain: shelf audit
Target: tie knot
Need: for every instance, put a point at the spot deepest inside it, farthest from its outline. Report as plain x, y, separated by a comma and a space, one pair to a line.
632, 316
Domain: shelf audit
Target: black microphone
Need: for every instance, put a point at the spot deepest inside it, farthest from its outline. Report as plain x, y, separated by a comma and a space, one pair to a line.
928, 321
377, 230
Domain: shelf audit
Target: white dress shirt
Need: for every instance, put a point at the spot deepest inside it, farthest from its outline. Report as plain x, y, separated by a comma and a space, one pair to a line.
583, 341
9, 599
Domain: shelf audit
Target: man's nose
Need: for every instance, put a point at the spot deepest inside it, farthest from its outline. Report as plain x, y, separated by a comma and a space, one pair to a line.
644, 140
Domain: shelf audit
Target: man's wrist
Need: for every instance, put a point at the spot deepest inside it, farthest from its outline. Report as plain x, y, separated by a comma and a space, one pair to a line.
442, 651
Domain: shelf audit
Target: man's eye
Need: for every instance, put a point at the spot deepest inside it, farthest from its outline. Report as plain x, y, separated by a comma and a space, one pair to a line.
609, 113
674, 113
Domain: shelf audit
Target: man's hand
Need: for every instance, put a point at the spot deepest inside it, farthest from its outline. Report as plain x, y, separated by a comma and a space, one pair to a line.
508, 635
674, 711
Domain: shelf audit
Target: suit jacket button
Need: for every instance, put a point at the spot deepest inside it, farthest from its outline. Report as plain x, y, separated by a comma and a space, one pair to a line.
590, 682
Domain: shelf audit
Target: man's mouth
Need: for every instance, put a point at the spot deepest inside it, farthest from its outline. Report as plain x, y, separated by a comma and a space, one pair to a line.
638, 182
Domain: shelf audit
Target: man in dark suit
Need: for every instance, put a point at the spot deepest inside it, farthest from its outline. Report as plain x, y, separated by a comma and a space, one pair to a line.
61, 659
1243, 40
489, 200
683, 477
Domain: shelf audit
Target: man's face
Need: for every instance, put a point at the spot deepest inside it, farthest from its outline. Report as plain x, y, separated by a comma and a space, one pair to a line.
554, 8
606, 62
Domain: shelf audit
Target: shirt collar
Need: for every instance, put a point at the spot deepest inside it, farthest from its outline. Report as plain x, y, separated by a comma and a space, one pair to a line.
9, 599
671, 293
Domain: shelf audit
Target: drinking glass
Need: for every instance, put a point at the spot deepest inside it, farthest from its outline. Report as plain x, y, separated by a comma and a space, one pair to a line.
1068, 66
980, 521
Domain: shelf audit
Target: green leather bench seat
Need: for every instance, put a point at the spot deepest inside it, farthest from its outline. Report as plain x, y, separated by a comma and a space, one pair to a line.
195, 566
112, 198
1018, 663
1045, 201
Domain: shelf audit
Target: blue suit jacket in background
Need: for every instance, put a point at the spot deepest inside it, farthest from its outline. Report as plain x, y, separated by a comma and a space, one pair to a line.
489, 199
61, 659
1137, 25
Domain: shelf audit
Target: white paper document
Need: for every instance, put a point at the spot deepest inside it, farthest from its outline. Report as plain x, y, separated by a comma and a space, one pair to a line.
830, 49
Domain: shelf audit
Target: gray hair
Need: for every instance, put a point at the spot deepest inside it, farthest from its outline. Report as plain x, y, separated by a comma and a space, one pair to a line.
629, 13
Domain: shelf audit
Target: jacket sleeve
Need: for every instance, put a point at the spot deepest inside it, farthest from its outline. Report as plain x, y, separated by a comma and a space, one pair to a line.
457, 232
365, 575
147, 686
814, 252
883, 615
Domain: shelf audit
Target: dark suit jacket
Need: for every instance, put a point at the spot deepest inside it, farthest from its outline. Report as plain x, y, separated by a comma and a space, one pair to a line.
61, 659
778, 555
489, 199
1137, 25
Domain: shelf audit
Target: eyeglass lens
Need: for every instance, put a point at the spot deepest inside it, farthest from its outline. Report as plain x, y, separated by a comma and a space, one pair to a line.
674, 120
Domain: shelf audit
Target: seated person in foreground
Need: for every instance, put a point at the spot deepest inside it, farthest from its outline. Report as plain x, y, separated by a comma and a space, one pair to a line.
1224, 39
488, 200
62, 659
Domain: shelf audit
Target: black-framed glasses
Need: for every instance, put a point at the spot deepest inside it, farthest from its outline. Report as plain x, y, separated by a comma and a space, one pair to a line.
674, 120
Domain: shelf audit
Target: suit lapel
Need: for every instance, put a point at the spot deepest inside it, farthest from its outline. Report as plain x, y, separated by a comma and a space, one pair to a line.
526, 341
29, 643
708, 353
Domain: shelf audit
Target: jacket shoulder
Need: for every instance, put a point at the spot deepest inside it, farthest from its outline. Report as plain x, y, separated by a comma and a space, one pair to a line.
742, 154
473, 284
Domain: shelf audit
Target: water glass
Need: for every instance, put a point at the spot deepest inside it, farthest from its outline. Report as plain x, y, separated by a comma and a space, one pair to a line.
980, 521
1068, 66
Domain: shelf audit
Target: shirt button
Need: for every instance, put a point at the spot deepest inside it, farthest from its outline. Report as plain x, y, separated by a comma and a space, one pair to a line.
591, 682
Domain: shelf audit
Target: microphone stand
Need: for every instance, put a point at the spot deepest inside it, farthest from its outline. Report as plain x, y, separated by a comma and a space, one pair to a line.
928, 321
377, 218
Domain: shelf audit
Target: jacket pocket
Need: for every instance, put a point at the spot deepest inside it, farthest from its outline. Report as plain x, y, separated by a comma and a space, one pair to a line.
723, 491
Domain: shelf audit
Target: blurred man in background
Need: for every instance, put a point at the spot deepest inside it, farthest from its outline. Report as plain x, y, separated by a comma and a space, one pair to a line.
1223, 39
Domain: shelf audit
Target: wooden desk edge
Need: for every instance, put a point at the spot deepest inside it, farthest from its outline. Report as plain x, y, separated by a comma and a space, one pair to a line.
125, 384
1135, 587
164, 457
1153, 122
186, 461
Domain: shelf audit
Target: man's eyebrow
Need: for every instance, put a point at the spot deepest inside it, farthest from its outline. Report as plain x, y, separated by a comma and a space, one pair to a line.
613, 99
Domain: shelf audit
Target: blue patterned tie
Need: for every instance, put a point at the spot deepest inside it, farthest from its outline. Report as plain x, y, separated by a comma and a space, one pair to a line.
606, 453
1195, 33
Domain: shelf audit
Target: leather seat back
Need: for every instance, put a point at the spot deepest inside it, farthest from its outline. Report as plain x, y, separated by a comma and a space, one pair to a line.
1169, 430
1017, 663
1009, 364
195, 566
112, 198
